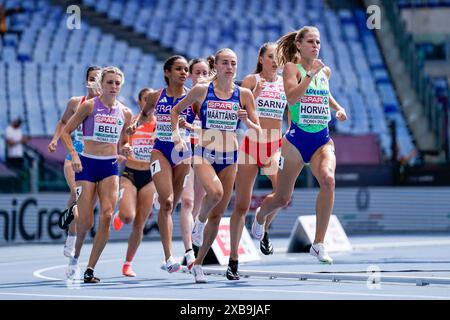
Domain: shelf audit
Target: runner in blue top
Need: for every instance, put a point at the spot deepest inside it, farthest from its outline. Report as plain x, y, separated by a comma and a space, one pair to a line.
307, 141
220, 105
72, 212
169, 168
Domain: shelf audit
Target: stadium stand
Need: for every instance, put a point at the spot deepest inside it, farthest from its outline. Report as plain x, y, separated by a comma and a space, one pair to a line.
45, 66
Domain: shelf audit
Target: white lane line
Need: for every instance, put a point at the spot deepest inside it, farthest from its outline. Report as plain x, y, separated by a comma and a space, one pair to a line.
401, 296
400, 244
360, 294
39, 273
385, 245
82, 297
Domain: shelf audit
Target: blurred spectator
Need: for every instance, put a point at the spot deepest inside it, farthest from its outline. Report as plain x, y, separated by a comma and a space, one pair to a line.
14, 142
4, 13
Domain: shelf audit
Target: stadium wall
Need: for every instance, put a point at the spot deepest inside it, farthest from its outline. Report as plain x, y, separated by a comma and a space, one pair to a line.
33, 218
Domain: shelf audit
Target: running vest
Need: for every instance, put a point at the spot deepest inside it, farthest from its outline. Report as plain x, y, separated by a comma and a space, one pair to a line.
312, 112
162, 113
272, 100
104, 125
141, 142
216, 113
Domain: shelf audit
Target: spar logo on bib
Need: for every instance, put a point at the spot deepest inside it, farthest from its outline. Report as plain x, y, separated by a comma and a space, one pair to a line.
314, 110
142, 142
222, 115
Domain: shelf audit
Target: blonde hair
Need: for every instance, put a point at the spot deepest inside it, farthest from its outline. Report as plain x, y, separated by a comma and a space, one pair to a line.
114, 70
287, 50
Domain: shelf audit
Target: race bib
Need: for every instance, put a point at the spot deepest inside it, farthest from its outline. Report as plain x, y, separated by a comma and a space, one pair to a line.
142, 149
314, 110
107, 128
222, 115
271, 104
164, 128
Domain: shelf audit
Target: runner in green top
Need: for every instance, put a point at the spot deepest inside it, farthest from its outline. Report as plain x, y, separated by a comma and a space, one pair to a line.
306, 85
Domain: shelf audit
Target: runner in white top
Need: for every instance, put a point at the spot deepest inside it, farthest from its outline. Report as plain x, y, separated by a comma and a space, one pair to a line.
258, 151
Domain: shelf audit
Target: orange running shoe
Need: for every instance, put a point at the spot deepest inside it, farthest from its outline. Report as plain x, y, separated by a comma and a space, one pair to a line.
117, 222
127, 270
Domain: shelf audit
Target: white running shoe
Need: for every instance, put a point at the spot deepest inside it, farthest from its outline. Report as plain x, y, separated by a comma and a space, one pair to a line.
257, 229
199, 276
318, 250
73, 272
190, 258
172, 265
69, 246
197, 232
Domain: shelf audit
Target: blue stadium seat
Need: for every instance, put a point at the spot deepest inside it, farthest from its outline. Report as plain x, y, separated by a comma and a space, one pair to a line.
360, 81
102, 5
116, 10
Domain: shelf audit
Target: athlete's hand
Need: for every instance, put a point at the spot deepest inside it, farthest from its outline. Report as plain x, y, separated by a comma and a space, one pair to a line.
121, 159
259, 87
52, 145
132, 128
95, 88
180, 144
76, 163
317, 66
341, 115
126, 150
243, 115
182, 123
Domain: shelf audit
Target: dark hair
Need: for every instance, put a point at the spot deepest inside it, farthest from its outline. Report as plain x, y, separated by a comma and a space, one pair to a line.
261, 52
141, 93
17, 121
91, 68
209, 62
169, 63
286, 46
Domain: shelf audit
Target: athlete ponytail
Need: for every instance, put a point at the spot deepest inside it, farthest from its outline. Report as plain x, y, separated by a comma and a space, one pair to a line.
287, 50
211, 60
